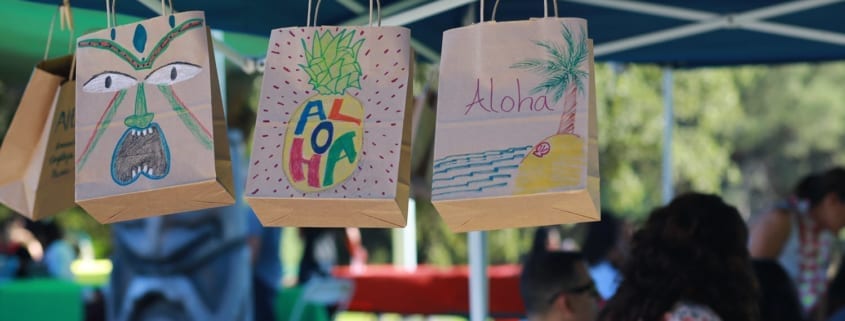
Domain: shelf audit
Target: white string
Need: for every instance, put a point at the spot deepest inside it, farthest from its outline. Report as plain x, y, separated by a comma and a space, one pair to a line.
50, 35
67, 21
317, 12
163, 8
378, 7
308, 19
114, 13
481, 13
108, 14
545, 8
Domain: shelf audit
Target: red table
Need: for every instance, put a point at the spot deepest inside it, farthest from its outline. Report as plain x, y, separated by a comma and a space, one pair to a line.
431, 290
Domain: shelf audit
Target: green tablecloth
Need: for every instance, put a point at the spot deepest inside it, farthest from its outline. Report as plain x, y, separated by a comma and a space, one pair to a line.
287, 299
41, 300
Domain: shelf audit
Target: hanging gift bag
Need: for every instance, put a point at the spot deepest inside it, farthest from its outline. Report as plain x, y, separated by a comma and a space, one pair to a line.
332, 142
516, 132
36, 179
151, 133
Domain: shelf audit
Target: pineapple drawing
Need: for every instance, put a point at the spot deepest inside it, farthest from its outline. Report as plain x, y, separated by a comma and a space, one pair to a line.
325, 134
558, 160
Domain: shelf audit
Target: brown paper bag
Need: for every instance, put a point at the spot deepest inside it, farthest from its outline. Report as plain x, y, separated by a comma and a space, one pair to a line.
332, 139
151, 133
516, 132
36, 179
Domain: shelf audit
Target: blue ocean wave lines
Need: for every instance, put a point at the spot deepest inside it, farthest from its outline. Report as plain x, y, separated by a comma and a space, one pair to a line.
488, 173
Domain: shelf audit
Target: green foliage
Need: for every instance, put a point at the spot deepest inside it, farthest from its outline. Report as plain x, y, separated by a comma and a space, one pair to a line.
562, 65
332, 62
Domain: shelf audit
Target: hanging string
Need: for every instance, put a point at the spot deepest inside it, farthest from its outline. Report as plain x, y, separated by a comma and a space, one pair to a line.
164, 7
108, 14
308, 18
378, 8
317, 12
66, 21
545, 8
114, 13
481, 14
50, 35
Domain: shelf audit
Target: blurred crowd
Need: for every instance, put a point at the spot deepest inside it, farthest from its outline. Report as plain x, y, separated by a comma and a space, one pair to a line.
696, 259
693, 259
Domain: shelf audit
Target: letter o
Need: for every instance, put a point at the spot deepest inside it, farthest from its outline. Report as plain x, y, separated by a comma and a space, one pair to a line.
327, 126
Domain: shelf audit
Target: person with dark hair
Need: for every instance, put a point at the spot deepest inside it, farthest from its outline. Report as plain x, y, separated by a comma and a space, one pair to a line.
556, 286
800, 232
778, 297
606, 248
689, 262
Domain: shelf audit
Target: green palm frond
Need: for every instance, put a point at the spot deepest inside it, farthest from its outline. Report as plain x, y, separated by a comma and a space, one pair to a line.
562, 66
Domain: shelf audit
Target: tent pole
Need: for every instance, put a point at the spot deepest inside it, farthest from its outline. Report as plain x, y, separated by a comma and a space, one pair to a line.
478, 281
405, 241
668, 126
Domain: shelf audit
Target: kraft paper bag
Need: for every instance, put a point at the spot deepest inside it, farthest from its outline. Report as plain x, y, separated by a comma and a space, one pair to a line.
151, 134
516, 136
36, 179
332, 139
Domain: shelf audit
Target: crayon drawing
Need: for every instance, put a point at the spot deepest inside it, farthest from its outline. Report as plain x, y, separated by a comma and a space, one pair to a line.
142, 149
556, 161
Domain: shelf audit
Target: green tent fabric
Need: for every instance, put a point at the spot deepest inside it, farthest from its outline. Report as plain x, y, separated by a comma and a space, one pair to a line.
41, 300
25, 27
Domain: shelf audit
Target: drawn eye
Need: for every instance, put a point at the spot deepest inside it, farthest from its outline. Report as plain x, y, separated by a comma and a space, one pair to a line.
109, 81
173, 73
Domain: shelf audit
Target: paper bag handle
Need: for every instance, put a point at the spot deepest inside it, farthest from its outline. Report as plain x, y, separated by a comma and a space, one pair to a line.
111, 12
496, 8
66, 21
111, 15
317, 12
164, 7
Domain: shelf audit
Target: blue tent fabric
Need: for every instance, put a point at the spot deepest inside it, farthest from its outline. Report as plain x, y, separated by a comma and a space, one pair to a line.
721, 47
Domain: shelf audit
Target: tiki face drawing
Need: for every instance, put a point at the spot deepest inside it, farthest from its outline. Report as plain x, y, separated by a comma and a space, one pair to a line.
151, 72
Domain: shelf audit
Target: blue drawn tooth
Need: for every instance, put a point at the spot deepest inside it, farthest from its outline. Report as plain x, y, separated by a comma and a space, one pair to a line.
172, 21
113, 34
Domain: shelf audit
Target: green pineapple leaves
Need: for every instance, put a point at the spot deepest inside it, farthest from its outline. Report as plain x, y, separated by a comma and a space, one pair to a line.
332, 62
562, 66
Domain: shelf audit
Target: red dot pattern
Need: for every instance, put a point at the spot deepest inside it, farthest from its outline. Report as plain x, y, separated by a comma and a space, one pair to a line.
384, 60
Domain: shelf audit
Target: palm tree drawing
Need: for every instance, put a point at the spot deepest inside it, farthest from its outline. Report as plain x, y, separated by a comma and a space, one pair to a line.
557, 161
564, 79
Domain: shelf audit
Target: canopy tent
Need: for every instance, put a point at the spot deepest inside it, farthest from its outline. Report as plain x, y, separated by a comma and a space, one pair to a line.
676, 33
688, 33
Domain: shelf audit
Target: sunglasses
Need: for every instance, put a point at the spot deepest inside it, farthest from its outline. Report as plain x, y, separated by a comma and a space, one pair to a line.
589, 288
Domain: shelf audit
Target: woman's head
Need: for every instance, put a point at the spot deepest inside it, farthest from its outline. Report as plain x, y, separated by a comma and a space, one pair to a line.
824, 193
693, 249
